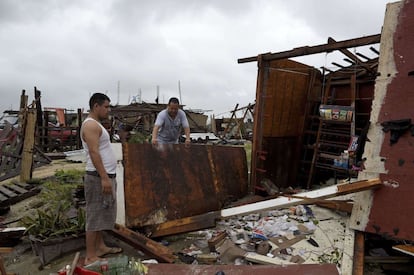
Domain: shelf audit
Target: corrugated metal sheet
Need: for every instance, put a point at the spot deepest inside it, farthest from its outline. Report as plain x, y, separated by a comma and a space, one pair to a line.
174, 181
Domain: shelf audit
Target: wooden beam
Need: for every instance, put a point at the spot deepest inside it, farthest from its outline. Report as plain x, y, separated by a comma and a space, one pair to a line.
405, 248
187, 224
363, 56
28, 146
337, 205
260, 259
374, 50
139, 241
306, 50
5, 250
214, 241
351, 56
359, 252
327, 192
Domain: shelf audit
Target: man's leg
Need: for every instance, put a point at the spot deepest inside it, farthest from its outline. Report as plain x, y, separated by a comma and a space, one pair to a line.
91, 241
102, 249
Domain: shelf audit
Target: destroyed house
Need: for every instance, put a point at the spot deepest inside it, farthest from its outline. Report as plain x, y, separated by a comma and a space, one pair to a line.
306, 118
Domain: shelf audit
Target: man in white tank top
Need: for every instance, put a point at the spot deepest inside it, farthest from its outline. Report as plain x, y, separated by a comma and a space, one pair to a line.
100, 182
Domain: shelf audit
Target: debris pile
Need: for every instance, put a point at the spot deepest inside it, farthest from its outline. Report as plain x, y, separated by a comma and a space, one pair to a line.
295, 235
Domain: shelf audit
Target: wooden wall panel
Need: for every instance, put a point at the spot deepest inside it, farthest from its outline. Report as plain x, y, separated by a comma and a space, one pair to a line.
285, 98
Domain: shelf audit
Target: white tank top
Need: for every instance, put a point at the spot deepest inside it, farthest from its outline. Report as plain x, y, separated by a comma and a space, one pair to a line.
105, 150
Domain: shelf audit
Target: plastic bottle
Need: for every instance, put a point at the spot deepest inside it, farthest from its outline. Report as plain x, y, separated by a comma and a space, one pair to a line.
114, 265
345, 158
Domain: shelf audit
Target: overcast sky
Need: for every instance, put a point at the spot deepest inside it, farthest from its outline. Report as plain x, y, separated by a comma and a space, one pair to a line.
70, 49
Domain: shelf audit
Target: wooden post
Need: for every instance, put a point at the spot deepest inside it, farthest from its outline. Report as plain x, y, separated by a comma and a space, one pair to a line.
22, 110
359, 248
78, 138
29, 141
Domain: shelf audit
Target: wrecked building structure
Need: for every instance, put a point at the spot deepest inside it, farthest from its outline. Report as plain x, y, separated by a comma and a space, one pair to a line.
310, 124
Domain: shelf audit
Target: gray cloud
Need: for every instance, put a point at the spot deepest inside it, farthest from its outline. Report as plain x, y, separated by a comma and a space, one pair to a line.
70, 49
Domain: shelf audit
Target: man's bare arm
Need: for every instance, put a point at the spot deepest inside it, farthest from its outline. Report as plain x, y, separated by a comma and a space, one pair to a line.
155, 134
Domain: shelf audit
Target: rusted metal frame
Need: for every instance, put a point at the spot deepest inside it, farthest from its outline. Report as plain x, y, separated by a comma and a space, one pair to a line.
306, 50
262, 79
353, 57
318, 135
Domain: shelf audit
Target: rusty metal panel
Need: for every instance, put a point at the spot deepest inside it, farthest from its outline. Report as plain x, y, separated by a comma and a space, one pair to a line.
164, 183
294, 269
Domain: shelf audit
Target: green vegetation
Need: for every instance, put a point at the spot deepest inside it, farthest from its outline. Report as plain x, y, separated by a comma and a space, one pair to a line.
138, 138
56, 215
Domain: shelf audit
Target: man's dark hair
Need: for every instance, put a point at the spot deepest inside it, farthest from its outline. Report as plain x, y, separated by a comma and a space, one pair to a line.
173, 100
98, 98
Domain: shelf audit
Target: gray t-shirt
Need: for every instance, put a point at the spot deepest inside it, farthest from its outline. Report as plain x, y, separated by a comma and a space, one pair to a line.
170, 129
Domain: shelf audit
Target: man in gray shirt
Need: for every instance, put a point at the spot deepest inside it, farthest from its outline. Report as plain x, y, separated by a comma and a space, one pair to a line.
167, 127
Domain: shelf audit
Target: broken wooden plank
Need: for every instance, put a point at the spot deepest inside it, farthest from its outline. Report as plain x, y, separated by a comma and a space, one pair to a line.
13, 194
7, 192
28, 146
188, 224
6, 250
327, 192
405, 248
260, 259
283, 242
139, 241
215, 240
388, 259
16, 188
24, 185
337, 205
229, 252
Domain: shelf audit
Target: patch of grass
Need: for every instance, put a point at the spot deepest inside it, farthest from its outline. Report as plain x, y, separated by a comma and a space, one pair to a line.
138, 138
69, 176
56, 215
